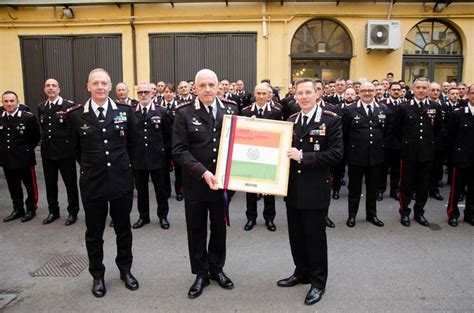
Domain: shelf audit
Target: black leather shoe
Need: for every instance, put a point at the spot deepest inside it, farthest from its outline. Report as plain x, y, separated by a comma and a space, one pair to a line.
453, 222
351, 221
111, 224
197, 287
375, 220
421, 220
164, 223
141, 222
131, 282
29, 215
379, 196
405, 221
71, 219
313, 296
395, 195
343, 182
13, 216
179, 197
291, 281
51, 218
98, 288
436, 195
250, 224
223, 280
270, 225
329, 223
335, 195
469, 220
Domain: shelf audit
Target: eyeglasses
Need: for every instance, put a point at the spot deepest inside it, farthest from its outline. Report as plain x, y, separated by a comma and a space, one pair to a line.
143, 93
367, 90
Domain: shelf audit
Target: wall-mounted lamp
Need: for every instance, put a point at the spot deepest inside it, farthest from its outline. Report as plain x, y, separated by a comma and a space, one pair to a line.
439, 7
68, 13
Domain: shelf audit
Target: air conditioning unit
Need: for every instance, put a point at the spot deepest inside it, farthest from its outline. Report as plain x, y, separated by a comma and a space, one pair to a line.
382, 35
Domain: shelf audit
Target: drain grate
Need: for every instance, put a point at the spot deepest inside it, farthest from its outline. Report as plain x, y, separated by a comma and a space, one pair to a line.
63, 266
6, 298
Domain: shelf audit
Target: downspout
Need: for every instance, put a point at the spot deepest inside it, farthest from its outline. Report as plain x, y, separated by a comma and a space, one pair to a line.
389, 15
134, 43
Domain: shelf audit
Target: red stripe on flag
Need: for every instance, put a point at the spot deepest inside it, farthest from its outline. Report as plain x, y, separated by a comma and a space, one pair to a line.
230, 150
257, 138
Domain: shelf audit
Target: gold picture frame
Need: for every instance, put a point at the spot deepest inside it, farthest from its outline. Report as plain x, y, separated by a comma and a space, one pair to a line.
253, 155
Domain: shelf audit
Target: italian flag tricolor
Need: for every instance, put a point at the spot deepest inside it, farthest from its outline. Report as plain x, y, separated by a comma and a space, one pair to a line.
255, 154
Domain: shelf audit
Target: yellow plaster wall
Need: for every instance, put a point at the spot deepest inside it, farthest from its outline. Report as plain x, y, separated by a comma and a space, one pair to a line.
272, 51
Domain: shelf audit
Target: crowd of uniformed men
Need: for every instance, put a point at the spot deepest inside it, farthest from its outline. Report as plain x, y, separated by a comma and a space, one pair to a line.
373, 129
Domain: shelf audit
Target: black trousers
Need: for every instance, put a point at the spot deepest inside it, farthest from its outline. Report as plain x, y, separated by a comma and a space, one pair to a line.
356, 174
391, 166
308, 242
67, 168
206, 258
96, 214
268, 207
27, 176
158, 178
461, 178
437, 170
178, 179
338, 173
415, 177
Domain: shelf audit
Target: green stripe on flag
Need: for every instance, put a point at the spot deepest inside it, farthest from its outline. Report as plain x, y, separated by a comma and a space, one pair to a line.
253, 170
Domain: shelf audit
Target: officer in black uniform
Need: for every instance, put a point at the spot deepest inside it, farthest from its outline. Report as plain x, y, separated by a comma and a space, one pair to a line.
170, 103
105, 150
416, 123
196, 134
317, 145
261, 108
58, 147
391, 146
19, 135
153, 141
121, 91
362, 126
461, 141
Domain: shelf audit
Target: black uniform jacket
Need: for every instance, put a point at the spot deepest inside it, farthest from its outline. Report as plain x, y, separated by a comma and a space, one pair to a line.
153, 138
270, 111
19, 135
363, 136
391, 141
461, 137
196, 145
417, 129
105, 150
322, 147
58, 138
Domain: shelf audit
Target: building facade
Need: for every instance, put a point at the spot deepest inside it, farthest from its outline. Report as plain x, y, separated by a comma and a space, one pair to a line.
283, 40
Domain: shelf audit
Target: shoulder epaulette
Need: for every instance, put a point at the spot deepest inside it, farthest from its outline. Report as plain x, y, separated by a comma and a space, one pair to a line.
247, 108
330, 113
184, 104
225, 101
276, 108
26, 112
70, 109
294, 114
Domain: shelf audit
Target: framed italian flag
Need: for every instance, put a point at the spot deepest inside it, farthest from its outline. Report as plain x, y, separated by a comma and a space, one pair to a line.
252, 155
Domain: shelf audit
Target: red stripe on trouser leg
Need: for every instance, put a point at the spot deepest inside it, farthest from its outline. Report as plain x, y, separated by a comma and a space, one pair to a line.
400, 210
35, 188
451, 194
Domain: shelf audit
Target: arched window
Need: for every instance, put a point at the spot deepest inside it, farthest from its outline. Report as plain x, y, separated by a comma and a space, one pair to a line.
433, 49
320, 49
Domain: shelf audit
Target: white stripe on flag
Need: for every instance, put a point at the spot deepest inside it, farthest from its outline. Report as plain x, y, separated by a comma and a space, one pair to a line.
255, 154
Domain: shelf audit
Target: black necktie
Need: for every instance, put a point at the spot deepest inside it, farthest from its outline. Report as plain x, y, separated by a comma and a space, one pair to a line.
370, 110
260, 112
144, 112
50, 105
210, 114
305, 121
101, 116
